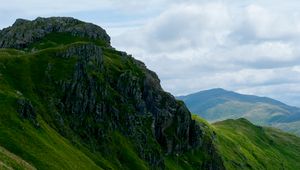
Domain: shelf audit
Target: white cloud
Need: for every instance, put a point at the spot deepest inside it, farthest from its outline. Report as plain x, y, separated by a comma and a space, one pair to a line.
67, 6
250, 46
205, 45
183, 26
264, 23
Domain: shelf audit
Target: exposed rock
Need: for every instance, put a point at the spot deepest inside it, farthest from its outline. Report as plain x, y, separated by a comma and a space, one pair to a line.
137, 100
27, 111
24, 32
107, 93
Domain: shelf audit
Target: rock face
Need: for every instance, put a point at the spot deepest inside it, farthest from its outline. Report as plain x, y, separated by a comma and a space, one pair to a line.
127, 103
27, 111
106, 91
24, 32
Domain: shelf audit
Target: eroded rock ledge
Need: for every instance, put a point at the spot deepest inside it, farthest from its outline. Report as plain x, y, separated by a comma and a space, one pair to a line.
24, 32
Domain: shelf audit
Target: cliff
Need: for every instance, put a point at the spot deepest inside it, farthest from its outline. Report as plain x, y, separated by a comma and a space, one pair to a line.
62, 73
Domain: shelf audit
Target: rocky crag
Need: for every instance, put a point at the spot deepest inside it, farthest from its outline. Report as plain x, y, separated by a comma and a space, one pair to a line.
24, 32
91, 93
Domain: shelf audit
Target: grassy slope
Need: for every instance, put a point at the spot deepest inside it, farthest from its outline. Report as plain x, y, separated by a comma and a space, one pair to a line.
246, 146
21, 73
9, 160
43, 147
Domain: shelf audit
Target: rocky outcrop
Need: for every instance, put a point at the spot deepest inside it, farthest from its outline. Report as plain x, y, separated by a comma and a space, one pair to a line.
107, 91
26, 111
95, 102
24, 32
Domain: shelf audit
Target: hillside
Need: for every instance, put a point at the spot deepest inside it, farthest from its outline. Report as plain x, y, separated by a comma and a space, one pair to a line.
246, 146
68, 100
219, 104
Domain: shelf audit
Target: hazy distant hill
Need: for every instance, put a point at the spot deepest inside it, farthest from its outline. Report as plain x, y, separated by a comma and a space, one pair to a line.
219, 104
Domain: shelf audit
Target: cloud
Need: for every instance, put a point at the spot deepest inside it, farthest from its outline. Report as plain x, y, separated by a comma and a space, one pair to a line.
249, 46
113, 15
196, 46
183, 26
259, 24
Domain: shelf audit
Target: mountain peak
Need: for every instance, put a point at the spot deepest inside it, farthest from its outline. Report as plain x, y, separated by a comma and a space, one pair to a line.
24, 32
218, 89
91, 94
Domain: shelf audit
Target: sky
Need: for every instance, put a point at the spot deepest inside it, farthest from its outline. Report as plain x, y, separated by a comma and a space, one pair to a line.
245, 46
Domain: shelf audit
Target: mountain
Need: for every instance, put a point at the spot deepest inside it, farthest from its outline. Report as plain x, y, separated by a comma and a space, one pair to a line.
69, 100
219, 104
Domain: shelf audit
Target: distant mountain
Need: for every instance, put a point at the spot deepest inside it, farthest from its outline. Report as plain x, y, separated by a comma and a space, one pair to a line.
219, 104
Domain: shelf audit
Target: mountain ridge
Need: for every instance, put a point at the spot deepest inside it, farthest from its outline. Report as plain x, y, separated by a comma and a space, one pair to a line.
234, 95
61, 76
69, 100
24, 32
219, 104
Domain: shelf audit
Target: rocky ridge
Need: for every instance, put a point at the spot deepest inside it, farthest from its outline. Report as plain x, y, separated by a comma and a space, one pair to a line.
24, 32
104, 94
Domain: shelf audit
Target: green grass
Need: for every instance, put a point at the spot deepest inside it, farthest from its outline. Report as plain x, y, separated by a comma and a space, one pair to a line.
22, 75
246, 146
60, 39
9, 160
43, 147
33, 74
